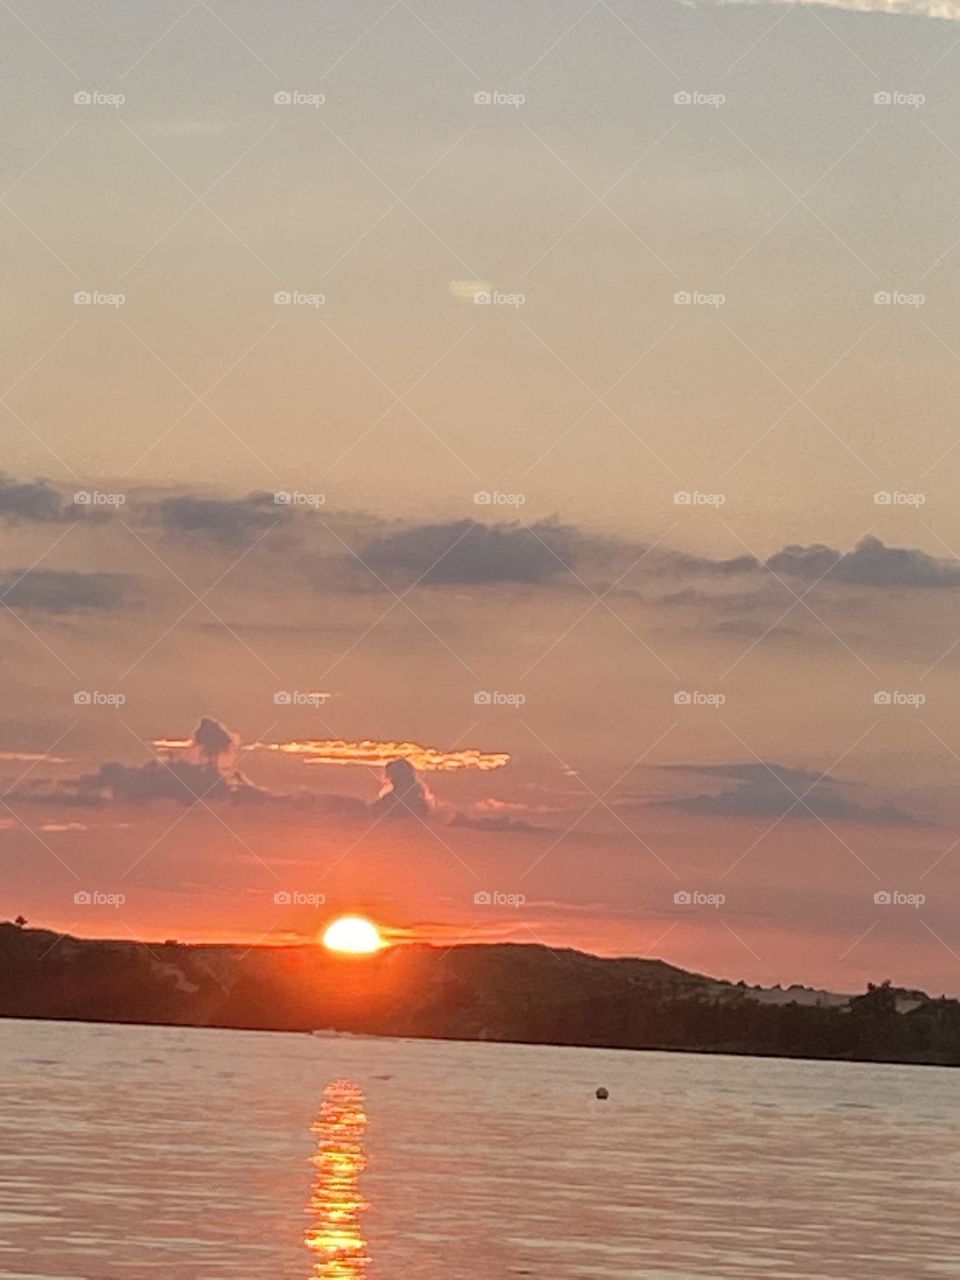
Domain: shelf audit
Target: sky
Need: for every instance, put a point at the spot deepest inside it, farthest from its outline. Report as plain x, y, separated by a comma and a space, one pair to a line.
558, 399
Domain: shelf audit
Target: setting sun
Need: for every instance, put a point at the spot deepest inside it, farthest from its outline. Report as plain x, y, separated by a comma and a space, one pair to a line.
353, 934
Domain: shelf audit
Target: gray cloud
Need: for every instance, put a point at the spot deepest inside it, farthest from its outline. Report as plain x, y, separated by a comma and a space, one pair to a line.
768, 790
870, 564
228, 521
463, 551
35, 500
63, 591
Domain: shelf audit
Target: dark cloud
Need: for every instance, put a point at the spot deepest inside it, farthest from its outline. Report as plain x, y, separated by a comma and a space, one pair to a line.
214, 743
870, 564
63, 591
463, 551
34, 500
228, 521
768, 790
501, 823
403, 792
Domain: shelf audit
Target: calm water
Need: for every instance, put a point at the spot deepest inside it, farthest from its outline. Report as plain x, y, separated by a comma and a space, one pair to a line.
129, 1152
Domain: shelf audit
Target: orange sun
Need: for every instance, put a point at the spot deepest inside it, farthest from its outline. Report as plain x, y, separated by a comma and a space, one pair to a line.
353, 934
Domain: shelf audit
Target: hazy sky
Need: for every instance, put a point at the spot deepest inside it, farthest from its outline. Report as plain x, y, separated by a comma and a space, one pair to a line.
679, 299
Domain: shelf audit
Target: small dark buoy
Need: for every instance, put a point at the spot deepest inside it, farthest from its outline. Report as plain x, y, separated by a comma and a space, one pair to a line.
603, 1094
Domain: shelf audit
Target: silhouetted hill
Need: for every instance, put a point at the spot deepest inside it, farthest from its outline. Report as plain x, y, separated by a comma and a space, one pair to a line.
525, 993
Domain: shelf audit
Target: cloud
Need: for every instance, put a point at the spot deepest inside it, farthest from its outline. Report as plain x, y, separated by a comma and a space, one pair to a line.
63, 591
501, 823
769, 791
35, 500
372, 752
945, 9
403, 793
870, 564
228, 521
464, 551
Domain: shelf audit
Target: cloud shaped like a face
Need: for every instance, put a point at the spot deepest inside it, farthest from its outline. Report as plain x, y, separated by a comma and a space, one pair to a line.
63, 591
463, 551
770, 791
870, 564
403, 793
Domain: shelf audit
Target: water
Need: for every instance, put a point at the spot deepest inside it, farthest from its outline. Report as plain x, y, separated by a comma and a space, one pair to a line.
133, 1152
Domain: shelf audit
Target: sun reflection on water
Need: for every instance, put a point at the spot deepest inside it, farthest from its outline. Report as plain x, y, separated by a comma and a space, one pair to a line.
336, 1205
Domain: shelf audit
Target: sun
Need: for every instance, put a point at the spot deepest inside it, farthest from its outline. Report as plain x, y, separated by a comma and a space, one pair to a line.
353, 934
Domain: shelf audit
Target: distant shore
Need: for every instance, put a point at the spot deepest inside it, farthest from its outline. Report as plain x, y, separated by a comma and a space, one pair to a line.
509, 993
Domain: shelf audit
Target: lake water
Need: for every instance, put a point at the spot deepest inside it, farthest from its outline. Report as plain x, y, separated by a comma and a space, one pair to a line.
133, 1152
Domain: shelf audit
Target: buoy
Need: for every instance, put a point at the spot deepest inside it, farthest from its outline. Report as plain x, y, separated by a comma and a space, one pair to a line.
603, 1093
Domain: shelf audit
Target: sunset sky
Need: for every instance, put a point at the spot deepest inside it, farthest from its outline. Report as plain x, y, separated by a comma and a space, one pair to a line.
647, 567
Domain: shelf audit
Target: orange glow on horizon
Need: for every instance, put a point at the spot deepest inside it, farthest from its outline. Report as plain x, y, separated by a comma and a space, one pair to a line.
353, 935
